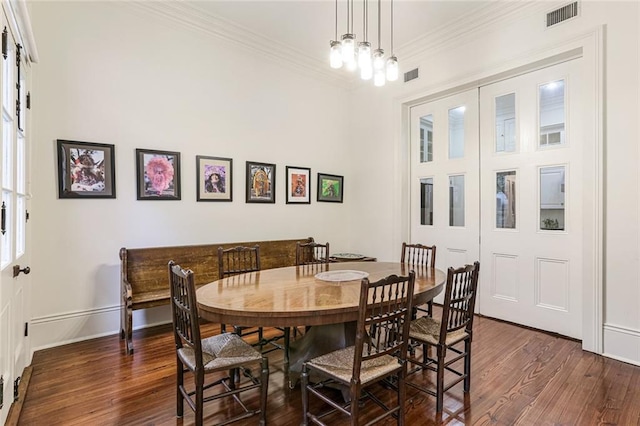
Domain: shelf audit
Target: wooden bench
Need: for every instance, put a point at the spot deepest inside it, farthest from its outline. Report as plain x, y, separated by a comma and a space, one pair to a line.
144, 273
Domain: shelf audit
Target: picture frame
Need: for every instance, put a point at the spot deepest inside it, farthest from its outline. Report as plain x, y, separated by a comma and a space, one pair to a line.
261, 182
214, 178
330, 188
157, 174
86, 169
298, 185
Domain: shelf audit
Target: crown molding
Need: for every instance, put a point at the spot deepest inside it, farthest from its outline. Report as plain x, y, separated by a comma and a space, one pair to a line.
189, 16
467, 27
446, 36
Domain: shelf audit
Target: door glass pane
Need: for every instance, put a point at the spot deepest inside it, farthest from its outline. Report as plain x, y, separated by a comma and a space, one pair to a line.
20, 165
506, 123
456, 200
552, 119
426, 138
426, 201
7, 155
552, 196
456, 132
506, 199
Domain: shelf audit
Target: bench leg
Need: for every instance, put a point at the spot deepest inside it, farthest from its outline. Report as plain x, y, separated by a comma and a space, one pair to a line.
126, 331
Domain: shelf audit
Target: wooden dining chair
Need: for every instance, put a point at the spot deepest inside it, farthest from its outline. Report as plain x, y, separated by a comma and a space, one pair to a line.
241, 260
419, 255
447, 334
221, 353
311, 253
379, 353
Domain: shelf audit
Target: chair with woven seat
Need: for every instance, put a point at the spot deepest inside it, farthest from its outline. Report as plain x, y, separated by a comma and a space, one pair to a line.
379, 353
221, 353
453, 329
311, 253
240, 260
419, 255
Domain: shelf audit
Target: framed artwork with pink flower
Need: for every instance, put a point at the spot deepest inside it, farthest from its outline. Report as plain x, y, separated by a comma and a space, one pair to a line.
86, 170
214, 176
158, 174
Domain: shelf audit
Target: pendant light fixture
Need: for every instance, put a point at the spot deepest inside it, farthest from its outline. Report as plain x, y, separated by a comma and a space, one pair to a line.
354, 55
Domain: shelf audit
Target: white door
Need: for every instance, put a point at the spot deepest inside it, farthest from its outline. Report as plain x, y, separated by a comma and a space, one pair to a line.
534, 130
13, 236
444, 178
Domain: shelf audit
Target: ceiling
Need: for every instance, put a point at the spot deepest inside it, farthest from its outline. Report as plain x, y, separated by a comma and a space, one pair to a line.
299, 31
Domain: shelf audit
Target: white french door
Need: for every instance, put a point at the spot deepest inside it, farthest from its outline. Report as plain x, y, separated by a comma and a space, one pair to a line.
520, 175
444, 178
14, 256
533, 132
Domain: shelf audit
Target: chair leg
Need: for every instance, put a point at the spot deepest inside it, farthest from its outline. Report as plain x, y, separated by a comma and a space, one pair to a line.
440, 379
355, 403
264, 390
199, 375
304, 382
223, 328
287, 340
402, 394
467, 365
179, 385
430, 308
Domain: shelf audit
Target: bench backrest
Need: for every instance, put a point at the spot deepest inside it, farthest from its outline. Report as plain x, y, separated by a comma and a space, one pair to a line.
146, 268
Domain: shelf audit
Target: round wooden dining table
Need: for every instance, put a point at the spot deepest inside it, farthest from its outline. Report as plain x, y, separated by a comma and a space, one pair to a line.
293, 296
308, 295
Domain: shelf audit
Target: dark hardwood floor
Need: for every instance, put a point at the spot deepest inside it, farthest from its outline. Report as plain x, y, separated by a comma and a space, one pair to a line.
519, 376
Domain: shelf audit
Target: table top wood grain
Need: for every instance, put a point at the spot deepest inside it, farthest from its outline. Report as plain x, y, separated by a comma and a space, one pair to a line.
292, 296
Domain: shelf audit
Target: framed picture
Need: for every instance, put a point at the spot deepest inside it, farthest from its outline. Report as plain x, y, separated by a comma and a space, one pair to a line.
86, 170
298, 185
158, 174
261, 182
330, 188
214, 178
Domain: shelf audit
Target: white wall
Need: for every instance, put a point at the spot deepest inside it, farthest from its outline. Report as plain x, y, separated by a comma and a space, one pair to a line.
482, 52
110, 74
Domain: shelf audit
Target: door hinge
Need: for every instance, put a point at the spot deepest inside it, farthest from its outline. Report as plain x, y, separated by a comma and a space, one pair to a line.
26, 216
26, 329
28, 100
1, 391
16, 384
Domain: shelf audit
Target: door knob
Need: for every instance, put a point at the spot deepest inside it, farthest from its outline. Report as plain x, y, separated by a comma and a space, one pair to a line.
17, 270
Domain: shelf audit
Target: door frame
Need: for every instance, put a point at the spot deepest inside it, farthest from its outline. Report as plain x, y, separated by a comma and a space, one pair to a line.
590, 48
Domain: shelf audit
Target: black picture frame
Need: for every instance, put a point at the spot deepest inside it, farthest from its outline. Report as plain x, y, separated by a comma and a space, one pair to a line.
330, 188
260, 182
298, 185
86, 169
214, 178
157, 174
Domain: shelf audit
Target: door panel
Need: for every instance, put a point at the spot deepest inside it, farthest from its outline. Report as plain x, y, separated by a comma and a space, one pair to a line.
530, 201
444, 178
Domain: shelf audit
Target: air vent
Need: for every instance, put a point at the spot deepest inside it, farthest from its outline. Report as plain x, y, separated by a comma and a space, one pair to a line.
560, 15
411, 75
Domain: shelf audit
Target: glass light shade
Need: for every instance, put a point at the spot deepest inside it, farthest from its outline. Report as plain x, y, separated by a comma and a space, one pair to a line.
379, 77
378, 59
364, 54
335, 55
366, 72
348, 47
392, 68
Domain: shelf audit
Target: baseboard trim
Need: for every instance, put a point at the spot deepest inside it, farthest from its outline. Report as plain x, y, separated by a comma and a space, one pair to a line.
622, 343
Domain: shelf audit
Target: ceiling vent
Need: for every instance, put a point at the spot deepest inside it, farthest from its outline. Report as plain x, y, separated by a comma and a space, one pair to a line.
560, 15
411, 75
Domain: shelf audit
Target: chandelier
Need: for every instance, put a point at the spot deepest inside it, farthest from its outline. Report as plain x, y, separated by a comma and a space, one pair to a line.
358, 56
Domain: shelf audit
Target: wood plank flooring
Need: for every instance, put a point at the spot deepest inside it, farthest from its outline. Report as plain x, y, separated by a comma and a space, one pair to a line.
519, 377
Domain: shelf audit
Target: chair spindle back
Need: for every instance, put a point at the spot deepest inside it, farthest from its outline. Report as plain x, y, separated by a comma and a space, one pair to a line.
238, 260
460, 299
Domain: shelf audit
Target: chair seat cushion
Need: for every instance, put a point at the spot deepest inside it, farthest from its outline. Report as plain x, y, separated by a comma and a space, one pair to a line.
221, 352
339, 364
427, 330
